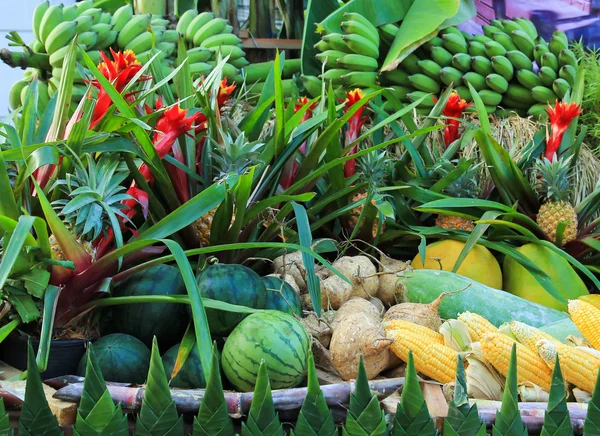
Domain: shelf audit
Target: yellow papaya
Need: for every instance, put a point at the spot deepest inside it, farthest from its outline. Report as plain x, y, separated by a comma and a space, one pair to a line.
479, 265
518, 281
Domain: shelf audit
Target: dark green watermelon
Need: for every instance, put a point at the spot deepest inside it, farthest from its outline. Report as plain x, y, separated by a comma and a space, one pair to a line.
121, 358
235, 284
275, 337
191, 375
281, 296
166, 321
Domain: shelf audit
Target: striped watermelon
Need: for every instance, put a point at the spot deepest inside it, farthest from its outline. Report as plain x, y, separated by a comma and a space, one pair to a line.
281, 296
190, 376
236, 284
275, 337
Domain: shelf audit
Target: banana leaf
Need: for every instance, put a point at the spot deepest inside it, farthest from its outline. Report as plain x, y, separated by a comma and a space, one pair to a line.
5, 429
262, 418
158, 415
557, 421
591, 426
508, 418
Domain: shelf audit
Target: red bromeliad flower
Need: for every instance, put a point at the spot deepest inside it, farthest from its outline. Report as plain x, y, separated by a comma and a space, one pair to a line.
224, 93
355, 123
455, 106
560, 117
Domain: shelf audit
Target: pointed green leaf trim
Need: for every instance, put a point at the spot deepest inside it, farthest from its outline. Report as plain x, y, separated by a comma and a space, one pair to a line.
36, 417
262, 419
557, 421
591, 427
97, 414
5, 429
315, 418
365, 416
158, 415
508, 418
462, 419
412, 416
213, 417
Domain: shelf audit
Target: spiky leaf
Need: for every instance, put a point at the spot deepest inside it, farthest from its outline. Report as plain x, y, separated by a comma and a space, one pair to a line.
315, 418
462, 419
557, 421
36, 417
262, 419
591, 427
158, 415
365, 416
5, 429
97, 414
412, 416
508, 419
213, 416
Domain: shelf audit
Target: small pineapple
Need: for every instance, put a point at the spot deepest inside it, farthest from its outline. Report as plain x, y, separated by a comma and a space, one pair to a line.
232, 158
466, 186
554, 184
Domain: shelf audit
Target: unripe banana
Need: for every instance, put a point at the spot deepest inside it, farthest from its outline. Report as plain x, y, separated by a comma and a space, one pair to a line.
517, 92
490, 98
547, 75
200, 69
543, 94
416, 95
14, 94
359, 18
490, 30
43, 98
481, 65
569, 73
166, 47
477, 81
37, 46
440, 56
200, 54
185, 20
312, 84
61, 36
361, 45
451, 30
424, 83
225, 39
87, 40
494, 48
502, 66
523, 42
140, 43
77, 76
519, 60
212, 28
322, 46
528, 79
230, 71
504, 40
562, 36
436, 41
399, 92
357, 62
334, 75
159, 21
549, 60
95, 55
514, 104
38, 15
362, 79
461, 61
496, 83
557, 44
23, 94
197, 23
455, 43
527, 26
233, 51
396, 77
102, 30
95, 13
239, 63
482, 39
497, 23
335, 41
477, 49
109, 40
538, 110
411, 62
567, 57
105, 18
84, 5
84, 23
464, 92
451, 76
330, 57
52, 18
538, 51
56, 58
560, 87
359, 28
430, 68
78, 92
136, 26
387, 33
510, 26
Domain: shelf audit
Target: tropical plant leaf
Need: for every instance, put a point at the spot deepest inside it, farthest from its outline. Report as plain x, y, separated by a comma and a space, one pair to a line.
185, 348
315, 418
97, 414
365, 416
213, 417
591, 426
36, 417
158, 415
5, 429
508, 418
557, 421
262, 418
316, 11
8, 205
412, 416
462, 419
50, 299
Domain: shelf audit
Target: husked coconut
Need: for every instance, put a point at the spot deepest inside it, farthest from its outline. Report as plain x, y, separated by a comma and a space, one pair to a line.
390, 288
361, 272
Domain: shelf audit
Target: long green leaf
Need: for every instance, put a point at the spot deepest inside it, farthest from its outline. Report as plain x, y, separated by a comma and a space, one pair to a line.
316, 11
50, 300
185, 348
5, 428
262, 418
8, 205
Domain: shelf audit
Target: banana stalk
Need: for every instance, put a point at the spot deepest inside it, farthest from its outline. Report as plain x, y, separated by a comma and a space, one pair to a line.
25, 59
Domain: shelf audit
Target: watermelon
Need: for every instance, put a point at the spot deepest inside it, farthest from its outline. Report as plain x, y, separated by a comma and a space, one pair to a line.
121, 358
236, 284
190, 376
275, 337
281, 296
166, 321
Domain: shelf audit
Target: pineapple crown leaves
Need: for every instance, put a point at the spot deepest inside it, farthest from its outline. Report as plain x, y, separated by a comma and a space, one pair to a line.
235, 156
95, 196
374, 167
508, 418
591, 426
36, 416
213, 416
460, 178
262, 418
462, 418
158, 415
557, 421
412, 415
365, 416
315, 418
97, 413
554, 178
5, 429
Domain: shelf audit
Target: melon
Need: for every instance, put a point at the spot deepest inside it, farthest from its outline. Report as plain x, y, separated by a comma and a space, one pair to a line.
479, 265
121, 358
518, 281
281, 296
190, 376
235, 284
275, 337
166, 321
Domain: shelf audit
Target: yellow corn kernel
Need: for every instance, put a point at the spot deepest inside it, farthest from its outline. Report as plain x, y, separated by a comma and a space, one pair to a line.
425, 332
477, 324
529, 336
578, 367
497, 348
593, 299
587, 319
439, 363
409, 336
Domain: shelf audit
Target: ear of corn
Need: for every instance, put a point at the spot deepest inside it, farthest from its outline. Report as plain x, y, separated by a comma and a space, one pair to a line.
578, 367
529, 336
477, 324
497, 348
587, 319
439, 363
508, 418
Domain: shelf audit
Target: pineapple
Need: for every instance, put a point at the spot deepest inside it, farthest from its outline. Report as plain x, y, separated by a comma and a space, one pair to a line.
554, 184
232, 158
373, 168
466, 186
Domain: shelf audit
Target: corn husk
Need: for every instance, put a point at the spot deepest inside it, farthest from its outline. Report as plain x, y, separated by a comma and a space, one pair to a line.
483, 382
577, 341
530, 392
582, 396
591, 351
505, 329
456, 335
